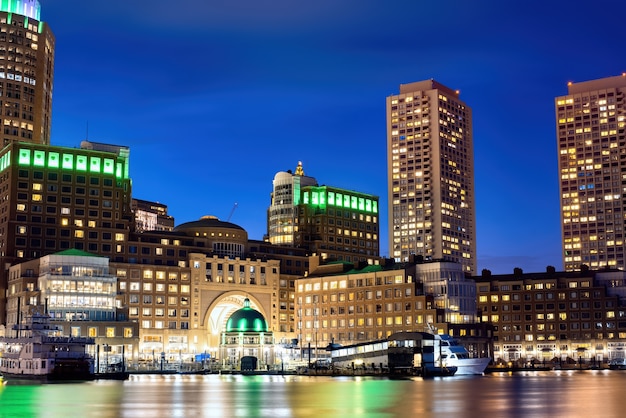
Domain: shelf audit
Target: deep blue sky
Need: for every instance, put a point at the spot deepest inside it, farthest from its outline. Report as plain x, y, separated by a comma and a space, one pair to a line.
215, 97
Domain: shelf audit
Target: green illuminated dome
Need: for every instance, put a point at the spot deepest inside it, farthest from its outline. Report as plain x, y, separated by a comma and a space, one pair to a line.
246, 319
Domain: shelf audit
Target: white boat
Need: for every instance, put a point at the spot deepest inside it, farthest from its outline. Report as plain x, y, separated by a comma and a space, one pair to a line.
38, 351
453, 354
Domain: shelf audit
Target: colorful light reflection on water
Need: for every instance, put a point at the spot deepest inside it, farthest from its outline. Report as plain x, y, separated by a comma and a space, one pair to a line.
542, 394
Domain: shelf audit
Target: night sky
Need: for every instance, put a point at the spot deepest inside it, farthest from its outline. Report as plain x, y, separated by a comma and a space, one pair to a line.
214, 97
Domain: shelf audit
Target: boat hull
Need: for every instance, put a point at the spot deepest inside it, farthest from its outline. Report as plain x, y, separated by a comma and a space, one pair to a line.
471, 366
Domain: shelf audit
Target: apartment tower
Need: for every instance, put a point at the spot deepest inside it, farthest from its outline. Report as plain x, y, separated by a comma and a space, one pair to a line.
26, 73
592, 162
430, 175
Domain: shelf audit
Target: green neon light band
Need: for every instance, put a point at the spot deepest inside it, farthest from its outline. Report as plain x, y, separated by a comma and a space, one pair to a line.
28, 8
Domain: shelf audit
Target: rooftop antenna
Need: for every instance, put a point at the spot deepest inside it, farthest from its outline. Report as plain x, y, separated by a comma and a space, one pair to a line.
231, 212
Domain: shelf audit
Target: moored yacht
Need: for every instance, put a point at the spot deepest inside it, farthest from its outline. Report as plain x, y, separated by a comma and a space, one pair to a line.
453, 354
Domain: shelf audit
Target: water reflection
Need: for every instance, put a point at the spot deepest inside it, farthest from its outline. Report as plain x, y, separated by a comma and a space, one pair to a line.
539, 394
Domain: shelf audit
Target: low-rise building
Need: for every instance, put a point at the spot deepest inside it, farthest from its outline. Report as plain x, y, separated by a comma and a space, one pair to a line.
562, 316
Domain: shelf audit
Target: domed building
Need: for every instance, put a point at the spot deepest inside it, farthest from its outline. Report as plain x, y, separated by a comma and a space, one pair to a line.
247, 343
225, 238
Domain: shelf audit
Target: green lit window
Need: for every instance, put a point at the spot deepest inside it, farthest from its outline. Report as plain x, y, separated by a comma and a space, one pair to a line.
375, 207
109, 166
368, 205
5, 160
53, 160
95, 164
119, 171
322, 197
39, 159
339, 199
68, 161
353, 202
24, 158
346, 201
305, 198
315, 198
331, 198
361, 203
81, 162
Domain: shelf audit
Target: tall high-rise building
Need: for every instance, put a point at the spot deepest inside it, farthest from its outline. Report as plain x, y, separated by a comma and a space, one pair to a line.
430, 175
592, 160
26, 73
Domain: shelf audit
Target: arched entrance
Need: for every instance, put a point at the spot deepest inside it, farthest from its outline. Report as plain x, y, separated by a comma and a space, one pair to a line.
218, 313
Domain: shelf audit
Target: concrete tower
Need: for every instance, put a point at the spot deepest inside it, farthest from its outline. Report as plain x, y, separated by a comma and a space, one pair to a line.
26, 73
591, 121
430, 175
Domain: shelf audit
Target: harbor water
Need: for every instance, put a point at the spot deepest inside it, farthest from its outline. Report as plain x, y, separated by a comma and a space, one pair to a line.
523, 394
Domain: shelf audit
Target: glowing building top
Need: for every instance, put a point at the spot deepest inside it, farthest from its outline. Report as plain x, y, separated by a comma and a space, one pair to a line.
28, 8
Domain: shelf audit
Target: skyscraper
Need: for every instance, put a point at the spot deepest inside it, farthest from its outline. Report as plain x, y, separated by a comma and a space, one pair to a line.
430, 175
26, 73
592, 161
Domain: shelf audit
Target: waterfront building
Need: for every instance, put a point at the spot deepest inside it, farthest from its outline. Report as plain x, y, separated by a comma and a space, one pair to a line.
26, 73
294, 264
151, 216
344, 303
430, 175
567, 316
591, 140
78, 292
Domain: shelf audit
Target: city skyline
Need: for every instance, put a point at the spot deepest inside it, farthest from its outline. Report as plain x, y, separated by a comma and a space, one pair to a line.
256, 89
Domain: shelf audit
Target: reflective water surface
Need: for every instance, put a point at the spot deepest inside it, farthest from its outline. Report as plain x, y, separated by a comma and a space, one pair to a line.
538, 394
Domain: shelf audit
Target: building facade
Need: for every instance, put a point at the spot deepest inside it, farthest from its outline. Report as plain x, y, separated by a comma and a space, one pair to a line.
285, 197
26, 73
345, 304
562, 316
79, 293
591, 139
338, 224
335, 223
57, 198
431, 175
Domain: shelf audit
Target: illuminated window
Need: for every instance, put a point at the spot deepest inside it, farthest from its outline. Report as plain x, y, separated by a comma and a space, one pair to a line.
68, 162
79, 233
119, 237
110, 332
81, 162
